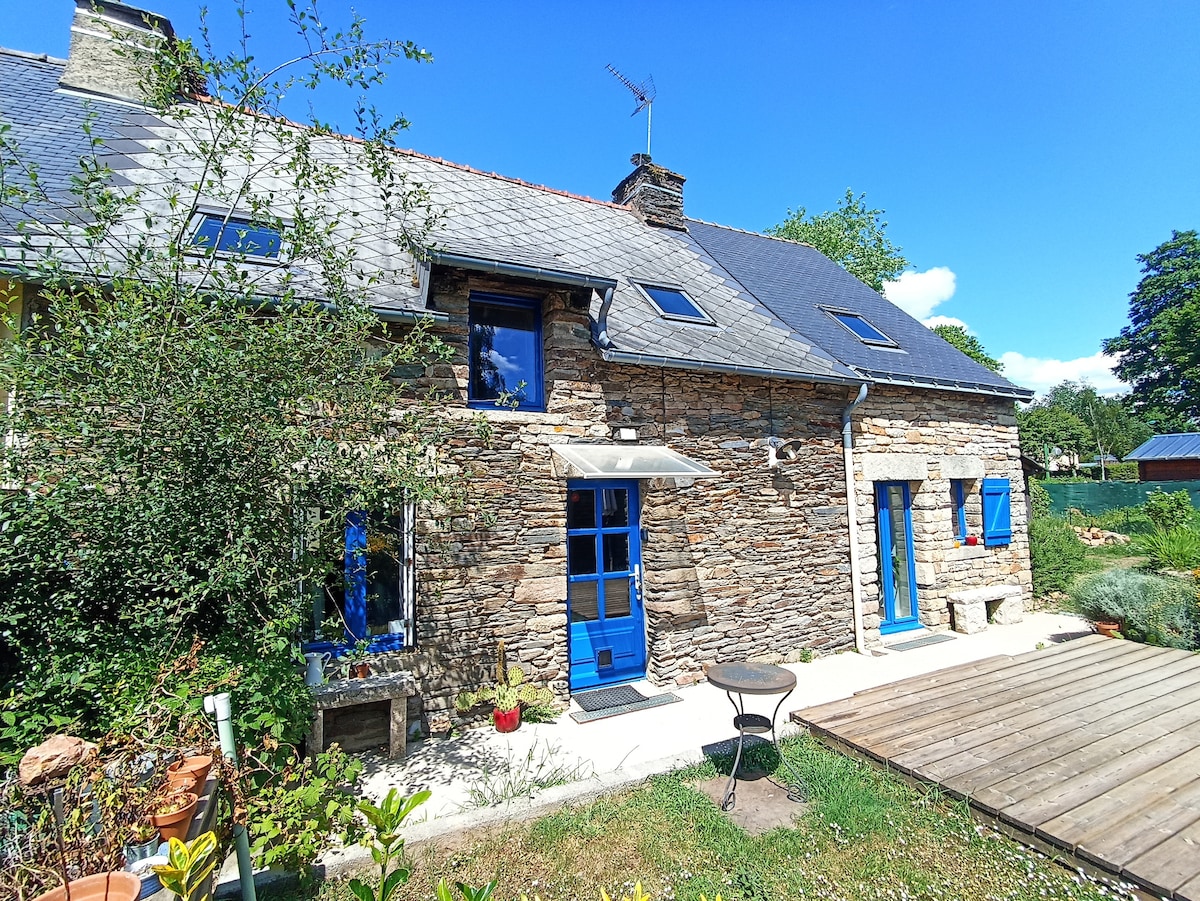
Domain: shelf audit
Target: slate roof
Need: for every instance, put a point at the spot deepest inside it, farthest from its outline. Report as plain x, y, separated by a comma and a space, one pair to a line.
761, 293
1179, 446
799, 283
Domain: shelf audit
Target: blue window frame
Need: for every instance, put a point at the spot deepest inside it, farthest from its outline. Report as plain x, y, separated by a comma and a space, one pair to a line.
997, 512
373, 592
505, 351
858, 326
237, 236
958, 501
674, 303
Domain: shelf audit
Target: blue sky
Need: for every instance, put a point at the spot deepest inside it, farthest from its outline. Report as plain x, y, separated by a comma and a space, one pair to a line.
1024, 153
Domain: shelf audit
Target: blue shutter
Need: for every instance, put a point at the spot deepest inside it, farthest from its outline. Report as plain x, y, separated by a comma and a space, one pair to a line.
997, 514
356, 575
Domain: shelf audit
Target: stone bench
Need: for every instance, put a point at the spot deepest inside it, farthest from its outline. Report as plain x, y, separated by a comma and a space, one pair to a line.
974, 608
395, 687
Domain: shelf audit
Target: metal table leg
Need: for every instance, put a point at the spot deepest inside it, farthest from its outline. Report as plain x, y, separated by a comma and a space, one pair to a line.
758, 724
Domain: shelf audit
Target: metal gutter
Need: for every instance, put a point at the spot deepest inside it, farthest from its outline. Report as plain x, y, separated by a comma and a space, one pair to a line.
881, 378
516, 270
860, 641
638, 359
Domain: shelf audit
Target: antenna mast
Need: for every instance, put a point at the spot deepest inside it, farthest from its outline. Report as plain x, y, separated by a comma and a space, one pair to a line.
644, 94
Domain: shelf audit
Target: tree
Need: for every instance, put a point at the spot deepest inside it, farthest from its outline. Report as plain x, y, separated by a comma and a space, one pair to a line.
1159, 351
196, 419
1050, 431
1108, 427
968, 344
852, 236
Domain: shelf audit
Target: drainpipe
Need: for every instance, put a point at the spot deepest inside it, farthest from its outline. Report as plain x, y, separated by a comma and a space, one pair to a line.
860, 642
602, 338
218, 706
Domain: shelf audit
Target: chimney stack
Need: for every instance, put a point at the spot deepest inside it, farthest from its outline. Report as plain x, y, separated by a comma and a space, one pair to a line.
109, 40
653, 191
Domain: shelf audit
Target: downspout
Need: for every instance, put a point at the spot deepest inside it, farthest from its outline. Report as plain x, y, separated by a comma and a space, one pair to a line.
860, 642
602, 338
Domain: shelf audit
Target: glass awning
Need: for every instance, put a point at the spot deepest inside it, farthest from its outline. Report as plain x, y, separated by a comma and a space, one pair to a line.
631, 461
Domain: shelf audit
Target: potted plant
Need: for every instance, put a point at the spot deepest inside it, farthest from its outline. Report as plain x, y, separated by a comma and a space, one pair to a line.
143, 842
188, 865
189, 773
172, 814
506, 695
116, 886
356, 659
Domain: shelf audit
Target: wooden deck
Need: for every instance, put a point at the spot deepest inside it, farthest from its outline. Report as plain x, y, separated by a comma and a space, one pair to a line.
1091, 747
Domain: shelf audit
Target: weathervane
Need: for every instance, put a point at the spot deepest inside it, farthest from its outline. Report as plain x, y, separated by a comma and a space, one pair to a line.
644, 95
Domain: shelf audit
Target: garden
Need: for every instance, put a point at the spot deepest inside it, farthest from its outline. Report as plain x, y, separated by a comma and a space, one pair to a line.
1146, 589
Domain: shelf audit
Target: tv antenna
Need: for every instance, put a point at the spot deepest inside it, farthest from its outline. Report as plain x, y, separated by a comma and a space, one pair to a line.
644, 94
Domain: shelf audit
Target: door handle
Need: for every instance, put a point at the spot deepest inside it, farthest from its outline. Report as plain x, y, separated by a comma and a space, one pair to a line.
636, 578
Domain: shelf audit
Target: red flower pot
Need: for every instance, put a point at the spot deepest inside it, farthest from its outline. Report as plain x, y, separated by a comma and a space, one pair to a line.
506, 720
972, 540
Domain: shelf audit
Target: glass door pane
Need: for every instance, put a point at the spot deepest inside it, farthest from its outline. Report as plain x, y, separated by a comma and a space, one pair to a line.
902, 586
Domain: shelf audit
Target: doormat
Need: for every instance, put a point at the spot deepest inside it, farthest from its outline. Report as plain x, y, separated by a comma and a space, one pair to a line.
616, 696
587, 716
936, 638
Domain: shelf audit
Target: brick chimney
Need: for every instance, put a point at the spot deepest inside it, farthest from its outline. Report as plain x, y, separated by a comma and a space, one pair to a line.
653, 191
106, 37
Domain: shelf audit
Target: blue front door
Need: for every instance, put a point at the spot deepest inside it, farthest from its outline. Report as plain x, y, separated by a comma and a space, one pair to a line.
897, 571
607, 626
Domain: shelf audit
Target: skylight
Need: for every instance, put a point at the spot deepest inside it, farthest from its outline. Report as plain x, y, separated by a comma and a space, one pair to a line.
673, 303
861, 329
236, 236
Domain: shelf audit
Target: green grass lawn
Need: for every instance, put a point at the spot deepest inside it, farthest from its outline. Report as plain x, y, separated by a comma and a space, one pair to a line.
865, 835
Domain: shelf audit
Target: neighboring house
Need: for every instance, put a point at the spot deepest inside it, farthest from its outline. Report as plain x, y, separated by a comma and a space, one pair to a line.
1168, 458
696, 404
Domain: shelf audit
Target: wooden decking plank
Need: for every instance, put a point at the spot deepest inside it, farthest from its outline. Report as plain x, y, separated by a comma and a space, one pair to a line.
984, 753
1054, 789
904, 690
1131, 819
893, 733
890, 719
1190, 891
1171, 864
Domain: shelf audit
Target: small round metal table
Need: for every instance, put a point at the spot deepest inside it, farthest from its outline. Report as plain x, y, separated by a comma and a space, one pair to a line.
753, 679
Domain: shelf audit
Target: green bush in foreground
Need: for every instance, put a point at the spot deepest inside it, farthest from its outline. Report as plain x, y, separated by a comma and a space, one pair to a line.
1152, 609
1056, 554
1169, 511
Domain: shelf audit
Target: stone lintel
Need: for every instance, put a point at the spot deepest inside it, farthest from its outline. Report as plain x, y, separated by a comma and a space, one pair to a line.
895, 467
962, 466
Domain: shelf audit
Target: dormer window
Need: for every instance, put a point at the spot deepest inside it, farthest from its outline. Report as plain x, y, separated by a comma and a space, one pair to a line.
236, 236
862, 329
673, 303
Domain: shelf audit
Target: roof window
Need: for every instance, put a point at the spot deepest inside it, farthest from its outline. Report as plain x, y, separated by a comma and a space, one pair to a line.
861, 329
673, 303
237, 236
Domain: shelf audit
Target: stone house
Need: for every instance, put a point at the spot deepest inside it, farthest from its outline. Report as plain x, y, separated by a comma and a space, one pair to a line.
722, 445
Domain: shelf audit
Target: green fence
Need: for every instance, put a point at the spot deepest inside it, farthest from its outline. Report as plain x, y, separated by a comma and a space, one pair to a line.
1097, 497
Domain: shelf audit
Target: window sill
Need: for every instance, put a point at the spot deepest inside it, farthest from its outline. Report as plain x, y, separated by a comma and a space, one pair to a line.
501, 414
379, 644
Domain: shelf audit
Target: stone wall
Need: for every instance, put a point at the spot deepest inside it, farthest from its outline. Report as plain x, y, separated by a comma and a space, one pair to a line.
930, 438
753, 564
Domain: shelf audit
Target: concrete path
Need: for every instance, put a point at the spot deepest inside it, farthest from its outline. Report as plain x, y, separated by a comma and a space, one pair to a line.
624, 749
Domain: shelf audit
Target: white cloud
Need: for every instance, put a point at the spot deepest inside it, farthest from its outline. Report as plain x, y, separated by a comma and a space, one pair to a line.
1041, 375
935, 321
917, 293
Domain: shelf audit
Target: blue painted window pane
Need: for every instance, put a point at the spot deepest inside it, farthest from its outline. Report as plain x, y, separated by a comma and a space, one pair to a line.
863, 329
674, 303
958, 497
237, 236
506, 353
366, 591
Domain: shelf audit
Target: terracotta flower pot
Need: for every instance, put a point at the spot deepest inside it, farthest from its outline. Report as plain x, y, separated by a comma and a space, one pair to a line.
196, 767
175, 825
187, 781
360, 670
506, 720
118, 886
1108, 628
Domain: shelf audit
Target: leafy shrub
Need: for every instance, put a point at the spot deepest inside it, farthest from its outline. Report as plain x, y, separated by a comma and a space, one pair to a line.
1039, 499
1169, 511
1056, 554
1151, 609
1121, 472
1176, 549
294, 807
1126, 520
